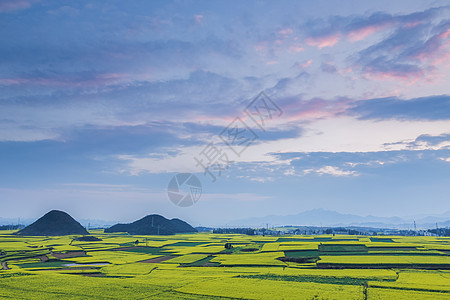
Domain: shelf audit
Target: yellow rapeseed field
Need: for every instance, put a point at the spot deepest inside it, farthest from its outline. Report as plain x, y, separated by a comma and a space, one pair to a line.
198, 266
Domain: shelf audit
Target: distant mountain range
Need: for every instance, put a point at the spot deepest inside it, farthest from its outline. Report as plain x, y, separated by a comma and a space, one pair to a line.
322, 217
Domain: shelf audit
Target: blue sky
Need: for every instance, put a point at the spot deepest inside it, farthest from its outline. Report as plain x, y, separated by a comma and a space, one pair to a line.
102, 103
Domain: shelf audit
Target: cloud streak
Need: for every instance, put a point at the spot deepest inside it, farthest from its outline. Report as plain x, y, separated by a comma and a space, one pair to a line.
424, 108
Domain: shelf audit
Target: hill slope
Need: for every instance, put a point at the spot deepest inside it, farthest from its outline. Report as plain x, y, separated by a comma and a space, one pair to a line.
54, 223
153, 224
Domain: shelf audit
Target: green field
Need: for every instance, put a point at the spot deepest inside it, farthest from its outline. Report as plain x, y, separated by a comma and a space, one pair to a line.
197, 266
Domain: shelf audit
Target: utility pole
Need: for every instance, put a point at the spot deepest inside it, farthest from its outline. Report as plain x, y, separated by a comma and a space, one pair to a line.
415, 228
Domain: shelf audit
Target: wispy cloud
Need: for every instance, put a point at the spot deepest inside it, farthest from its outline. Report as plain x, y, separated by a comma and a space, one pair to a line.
424, 108
331, 170
98, 185
425, 142
408, 51
323, 41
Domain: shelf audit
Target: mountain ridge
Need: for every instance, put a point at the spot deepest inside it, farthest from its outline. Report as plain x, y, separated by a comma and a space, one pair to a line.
323, 217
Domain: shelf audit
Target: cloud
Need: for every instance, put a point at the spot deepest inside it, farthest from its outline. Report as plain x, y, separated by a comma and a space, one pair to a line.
331, 146
349, 134
290, 85
156, 163
396, 46
65, 55
424, 108
13, 5
435, 45
355, 163
409, 50
286, 31
176, 159
363, 32
198, 19
298, 109
425, 142
201, 97
262, 179
323, 41
327, 33
433, 140
98, 185
331, 170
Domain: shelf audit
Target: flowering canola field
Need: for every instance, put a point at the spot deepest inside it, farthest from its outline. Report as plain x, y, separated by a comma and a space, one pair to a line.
198, 266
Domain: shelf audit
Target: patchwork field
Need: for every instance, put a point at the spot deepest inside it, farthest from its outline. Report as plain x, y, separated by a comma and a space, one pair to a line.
196, 266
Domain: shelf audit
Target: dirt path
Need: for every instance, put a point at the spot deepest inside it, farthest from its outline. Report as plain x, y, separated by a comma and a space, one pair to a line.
5, 265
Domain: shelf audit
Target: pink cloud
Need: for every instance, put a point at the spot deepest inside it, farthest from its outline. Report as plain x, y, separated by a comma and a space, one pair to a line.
411, 24
286, 31
436, 50
306, 63
428, 63
311, 114
198, 19
362, 33
315, 109
303, 64
324, 41
345, 71
439, 60
12, 5
445, 34
408, 78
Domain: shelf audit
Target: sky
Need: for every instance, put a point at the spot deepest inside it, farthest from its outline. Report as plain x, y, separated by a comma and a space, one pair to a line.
276, 107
